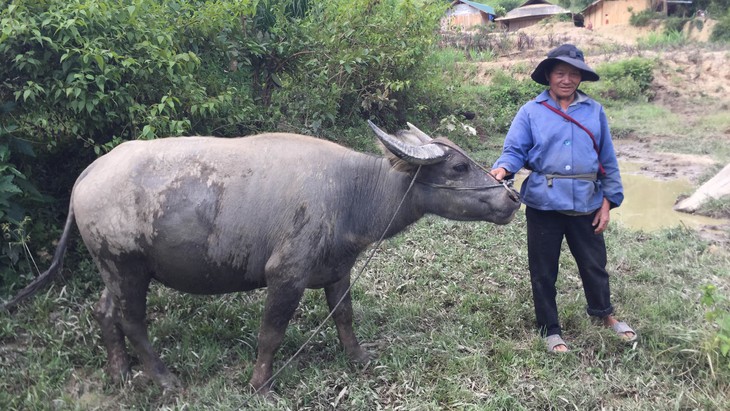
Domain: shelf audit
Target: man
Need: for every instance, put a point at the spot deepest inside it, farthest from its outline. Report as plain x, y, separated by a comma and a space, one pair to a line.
563, 138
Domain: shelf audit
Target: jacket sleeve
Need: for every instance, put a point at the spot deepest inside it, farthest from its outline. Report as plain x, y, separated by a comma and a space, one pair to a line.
517, 143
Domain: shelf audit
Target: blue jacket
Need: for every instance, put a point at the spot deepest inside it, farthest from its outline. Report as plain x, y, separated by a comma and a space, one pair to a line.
546, 143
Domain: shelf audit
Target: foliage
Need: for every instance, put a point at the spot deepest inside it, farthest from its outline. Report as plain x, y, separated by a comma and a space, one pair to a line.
16, 193
358, 66
505, 96
714, 8
643, 18
718, 314
92, 69
626, 80
12, 180
675, 24
660, 40
574, 5
721, 31
506, 5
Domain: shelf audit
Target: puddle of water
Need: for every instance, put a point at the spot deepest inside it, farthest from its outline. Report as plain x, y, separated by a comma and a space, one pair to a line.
648, 202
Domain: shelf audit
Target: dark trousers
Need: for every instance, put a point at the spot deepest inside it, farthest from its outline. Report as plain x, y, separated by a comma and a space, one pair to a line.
545, 232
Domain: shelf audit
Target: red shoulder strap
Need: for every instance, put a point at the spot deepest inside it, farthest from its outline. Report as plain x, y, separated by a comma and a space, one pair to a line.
574, 121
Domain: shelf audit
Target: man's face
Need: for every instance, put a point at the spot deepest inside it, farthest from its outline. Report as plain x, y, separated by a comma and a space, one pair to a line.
564, 79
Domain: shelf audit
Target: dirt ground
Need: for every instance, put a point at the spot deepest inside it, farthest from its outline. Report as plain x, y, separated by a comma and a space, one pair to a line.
693, 73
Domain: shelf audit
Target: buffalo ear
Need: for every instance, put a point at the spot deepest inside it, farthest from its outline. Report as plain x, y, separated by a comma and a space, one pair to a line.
428, 153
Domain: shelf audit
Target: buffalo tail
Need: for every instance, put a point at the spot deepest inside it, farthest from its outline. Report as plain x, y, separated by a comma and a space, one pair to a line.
47, 276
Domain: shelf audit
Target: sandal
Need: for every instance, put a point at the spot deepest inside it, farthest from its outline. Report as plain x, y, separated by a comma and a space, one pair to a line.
553, 341
621, 328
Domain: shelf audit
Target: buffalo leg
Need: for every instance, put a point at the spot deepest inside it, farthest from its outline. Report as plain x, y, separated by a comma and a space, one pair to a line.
106, 314
281, 301
133, 307
342, 315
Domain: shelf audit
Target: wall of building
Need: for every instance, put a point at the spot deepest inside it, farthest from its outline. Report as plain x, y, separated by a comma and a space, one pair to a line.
516, 24
610, 12
463, 16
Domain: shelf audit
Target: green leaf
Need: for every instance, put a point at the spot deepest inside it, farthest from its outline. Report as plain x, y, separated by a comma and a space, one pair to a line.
275, 78
7, 186
99, 61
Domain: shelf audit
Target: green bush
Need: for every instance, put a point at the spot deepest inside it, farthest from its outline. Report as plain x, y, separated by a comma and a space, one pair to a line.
16, 193
718, 345
675, 24
721, 31
627, 80
642, 18
356, 66
505, 96
670, 38
102, 73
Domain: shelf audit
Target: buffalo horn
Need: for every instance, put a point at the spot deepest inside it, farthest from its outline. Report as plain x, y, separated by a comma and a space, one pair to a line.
425, 154
420, 134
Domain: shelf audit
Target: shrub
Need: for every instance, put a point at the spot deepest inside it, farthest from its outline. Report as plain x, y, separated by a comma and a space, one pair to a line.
719, 318
16, 192
627, 80
505, 96
642, 18
675, 24
356, 66
721, 31
102, 73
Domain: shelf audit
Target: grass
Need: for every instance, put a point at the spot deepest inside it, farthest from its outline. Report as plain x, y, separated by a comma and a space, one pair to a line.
445, 308
701, 133
672, 38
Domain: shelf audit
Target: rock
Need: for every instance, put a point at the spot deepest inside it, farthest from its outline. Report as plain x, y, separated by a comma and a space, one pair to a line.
716, 187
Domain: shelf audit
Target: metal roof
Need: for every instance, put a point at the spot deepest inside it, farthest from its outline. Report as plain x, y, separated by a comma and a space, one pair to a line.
481, 7
534, 2
533, 10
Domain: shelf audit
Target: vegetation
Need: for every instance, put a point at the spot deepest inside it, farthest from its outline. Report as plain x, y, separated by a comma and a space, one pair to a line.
627, 80
445, 307
643, 18
721, 32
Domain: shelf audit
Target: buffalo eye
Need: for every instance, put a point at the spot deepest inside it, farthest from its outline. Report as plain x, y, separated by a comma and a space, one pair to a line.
461, 168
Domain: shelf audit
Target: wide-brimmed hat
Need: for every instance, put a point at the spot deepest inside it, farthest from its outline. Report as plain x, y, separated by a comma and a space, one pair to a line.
566, 53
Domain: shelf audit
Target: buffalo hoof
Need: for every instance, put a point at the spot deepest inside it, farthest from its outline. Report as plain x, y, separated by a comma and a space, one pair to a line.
118, 374
359, 356
260, 389
169, 383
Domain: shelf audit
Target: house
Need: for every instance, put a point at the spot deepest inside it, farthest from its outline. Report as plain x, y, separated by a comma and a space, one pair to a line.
602, 13
609, 12
464, 15
529, 13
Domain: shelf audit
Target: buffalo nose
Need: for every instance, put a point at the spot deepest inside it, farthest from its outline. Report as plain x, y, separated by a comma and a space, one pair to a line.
511, 192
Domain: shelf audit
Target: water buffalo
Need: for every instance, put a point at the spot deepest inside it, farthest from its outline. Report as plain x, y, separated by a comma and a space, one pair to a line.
209, 215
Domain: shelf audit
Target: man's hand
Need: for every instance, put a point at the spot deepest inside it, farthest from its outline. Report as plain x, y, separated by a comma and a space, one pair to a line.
603, 216
499, 173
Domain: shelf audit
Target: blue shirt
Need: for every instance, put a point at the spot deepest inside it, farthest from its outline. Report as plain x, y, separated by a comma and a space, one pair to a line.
546, 143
